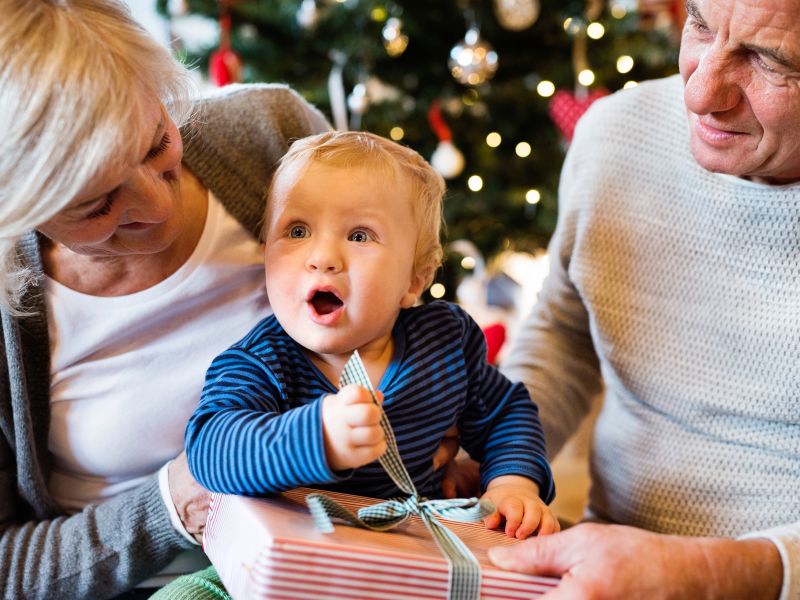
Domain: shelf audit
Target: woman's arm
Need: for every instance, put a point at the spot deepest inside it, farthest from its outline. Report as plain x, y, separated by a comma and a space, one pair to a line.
97, 553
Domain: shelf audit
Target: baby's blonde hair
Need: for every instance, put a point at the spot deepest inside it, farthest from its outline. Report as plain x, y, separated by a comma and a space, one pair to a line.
71, 76
364, 149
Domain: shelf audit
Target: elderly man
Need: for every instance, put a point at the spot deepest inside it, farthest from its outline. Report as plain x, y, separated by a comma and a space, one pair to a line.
675, 280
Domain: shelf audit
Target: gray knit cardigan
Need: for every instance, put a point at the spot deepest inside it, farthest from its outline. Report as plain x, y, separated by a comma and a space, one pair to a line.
233, 143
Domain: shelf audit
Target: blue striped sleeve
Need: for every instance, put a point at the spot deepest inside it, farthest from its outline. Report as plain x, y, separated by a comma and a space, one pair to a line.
500, 424
245, 438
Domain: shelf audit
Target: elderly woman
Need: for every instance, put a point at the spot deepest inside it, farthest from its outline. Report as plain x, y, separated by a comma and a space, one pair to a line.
129, 257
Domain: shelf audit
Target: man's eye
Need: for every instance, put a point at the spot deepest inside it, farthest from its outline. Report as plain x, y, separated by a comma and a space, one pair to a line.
298, 231
359, 236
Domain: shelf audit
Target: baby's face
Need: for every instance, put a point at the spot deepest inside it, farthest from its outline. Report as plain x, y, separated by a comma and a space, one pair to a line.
339, 256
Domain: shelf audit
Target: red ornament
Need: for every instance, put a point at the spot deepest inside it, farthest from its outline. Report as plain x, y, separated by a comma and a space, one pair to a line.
224, 65
566, 109
495, 335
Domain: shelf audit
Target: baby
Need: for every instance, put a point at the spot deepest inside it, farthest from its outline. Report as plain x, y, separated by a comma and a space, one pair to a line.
352, 239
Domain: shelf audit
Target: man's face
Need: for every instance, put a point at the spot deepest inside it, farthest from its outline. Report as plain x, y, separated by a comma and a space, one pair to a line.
740, 63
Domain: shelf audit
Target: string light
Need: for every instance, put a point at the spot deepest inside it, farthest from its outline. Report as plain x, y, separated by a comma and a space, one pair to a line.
397, 133
475, 183
624, 63
523, 149
618, 11
595, 30
379, 14
437, 290
533, 196
586, 77
630, 84
468, 262
545, 88
493, 139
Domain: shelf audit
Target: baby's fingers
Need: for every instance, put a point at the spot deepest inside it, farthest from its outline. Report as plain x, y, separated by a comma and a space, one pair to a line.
549, 523
513, 510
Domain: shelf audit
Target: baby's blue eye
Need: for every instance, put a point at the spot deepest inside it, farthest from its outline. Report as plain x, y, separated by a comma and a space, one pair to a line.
359, 236
298, 231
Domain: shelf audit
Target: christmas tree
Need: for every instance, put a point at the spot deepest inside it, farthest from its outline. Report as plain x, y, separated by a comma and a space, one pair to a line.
505, 80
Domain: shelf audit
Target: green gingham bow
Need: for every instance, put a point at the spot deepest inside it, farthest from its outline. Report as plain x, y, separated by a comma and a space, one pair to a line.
464, 570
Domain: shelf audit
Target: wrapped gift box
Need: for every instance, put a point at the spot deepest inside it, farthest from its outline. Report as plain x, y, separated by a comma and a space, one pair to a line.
269, 548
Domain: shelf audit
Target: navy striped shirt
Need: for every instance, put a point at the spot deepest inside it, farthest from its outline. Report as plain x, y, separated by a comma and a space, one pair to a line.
258, 427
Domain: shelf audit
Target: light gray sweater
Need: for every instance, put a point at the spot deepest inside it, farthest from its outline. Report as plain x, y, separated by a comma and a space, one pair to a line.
232, 146
680, 290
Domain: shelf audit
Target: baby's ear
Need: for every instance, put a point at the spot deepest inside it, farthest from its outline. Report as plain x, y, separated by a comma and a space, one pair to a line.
415, 290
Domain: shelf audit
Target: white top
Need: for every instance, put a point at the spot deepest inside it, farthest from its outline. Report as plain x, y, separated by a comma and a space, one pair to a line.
126, 371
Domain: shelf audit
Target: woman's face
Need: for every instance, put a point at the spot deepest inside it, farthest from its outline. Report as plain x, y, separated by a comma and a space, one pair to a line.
132, 209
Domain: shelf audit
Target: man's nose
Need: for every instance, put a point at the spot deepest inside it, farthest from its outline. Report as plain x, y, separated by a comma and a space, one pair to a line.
713, 87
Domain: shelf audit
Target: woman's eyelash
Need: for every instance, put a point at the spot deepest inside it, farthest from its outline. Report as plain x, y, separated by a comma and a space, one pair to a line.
162, 145
103, 210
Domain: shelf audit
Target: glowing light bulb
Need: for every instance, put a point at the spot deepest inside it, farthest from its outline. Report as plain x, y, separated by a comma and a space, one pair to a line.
586, 77
437, 290
397, 133
475, 183
468, 262
533, 196
523, 149
624, 63
595, 30
630, 84
493, 139
545, 88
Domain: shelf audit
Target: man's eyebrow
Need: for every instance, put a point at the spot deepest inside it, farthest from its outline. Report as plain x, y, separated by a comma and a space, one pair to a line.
694, 12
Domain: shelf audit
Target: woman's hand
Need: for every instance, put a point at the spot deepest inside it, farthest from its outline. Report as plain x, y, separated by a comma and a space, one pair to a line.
191, 500
609, 562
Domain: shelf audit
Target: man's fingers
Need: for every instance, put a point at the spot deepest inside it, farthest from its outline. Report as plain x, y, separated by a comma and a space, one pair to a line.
537, 556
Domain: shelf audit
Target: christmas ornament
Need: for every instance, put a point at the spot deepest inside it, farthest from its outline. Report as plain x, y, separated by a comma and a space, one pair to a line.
307, 15
177, 8
516, 15
394, 40
566, 108
358, 100
224, 65
446, 159
472, 60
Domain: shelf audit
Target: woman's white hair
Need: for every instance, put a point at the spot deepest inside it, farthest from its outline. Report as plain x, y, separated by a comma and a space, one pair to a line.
71, 75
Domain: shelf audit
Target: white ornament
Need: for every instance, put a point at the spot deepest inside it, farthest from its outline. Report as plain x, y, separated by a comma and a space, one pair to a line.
516, 15
472, 61
307, 15
358, 100
447, 160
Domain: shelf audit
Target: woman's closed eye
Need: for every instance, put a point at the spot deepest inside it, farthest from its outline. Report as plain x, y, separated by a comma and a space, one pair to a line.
162, 146
103, 209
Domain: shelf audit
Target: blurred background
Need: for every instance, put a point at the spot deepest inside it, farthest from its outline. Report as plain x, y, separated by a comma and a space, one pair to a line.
488, 90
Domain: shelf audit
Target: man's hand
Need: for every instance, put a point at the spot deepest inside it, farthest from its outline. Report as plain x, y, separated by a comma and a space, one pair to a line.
517, 500
351, 426
191, 500
609, 562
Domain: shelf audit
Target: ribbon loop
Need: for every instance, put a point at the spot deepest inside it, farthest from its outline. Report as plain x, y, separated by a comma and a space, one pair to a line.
464, 569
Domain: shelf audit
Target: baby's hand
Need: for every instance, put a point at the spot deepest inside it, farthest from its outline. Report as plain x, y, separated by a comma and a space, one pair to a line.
351, 427
517, 499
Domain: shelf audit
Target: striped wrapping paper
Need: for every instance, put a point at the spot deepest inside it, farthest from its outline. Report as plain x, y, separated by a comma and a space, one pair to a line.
269, 548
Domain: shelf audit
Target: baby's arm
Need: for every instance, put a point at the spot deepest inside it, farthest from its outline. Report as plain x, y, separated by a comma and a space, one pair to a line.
517, 500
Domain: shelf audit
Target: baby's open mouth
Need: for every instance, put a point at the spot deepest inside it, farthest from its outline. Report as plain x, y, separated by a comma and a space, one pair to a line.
325, 303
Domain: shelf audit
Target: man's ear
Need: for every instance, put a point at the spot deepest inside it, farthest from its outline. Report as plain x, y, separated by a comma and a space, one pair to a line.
415, 290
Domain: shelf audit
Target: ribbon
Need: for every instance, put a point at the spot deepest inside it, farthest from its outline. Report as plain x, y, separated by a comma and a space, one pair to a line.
464, 569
